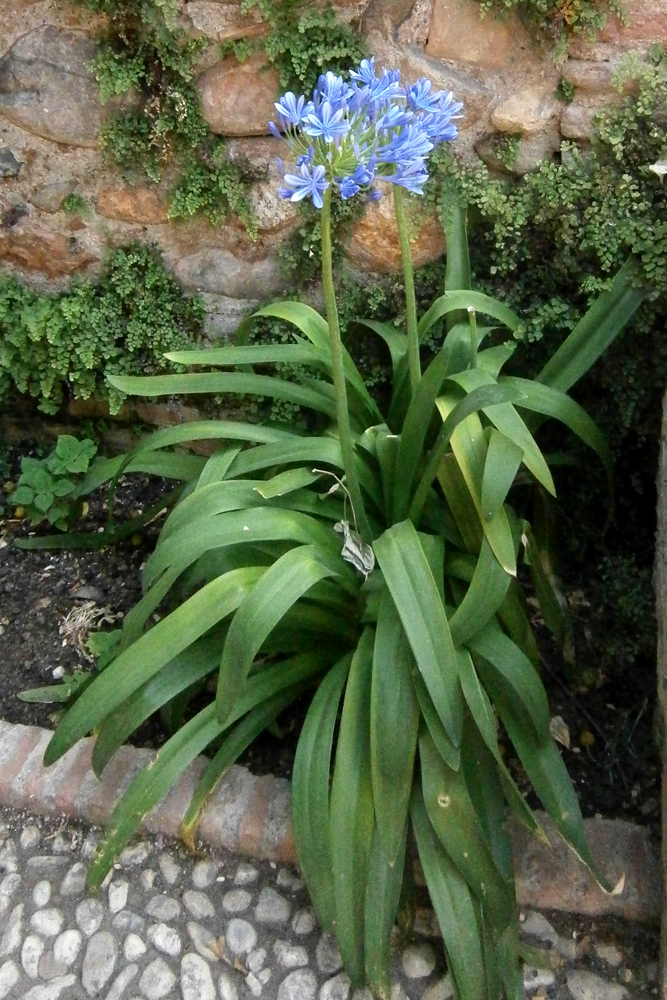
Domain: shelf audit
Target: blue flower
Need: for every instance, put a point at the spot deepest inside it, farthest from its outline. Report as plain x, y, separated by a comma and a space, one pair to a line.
394, 117
325, 121
420, 97
310, 181
411, 143
334, 89
290, 108
366, 72
347, 187
273, 129
412, 176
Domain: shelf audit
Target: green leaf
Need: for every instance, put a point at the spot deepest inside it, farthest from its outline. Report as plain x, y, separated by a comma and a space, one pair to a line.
351, 823
446, 748
484, 596
469, 447
220, 382
287, 482
22, 495
503, 459
415, 594
452, 302
63, 487
524, 684
280, 587
552, 601
43, 501
217, 466
394, 729
149, 654
396, 342
454, 907
257, 354
383, 894
594, 332
150, 786
310, 792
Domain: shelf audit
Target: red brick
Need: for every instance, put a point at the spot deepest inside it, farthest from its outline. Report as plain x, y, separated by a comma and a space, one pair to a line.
16, 745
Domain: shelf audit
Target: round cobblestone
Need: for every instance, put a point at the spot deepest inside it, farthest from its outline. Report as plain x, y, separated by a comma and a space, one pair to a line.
298, 985
241, 937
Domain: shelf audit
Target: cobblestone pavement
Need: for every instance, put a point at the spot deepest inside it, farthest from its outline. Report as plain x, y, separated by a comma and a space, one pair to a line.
171, 926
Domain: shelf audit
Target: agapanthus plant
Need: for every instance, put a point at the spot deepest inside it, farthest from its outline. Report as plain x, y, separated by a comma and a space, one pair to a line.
374, 565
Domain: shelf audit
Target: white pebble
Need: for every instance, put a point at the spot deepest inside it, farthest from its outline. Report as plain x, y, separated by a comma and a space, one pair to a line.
118, 896
290, 956
165, 939
198, 905
99, 962
9, 976
418, 961
245, 874
134, 947
203, 874
304, 922
241, 937
164, 908
157, 980
169, 868
147, 879
30, 838
8, 887
89, 916
226, 987
48, 923
66, 947
41, 894
75, 881
31, 952
11, 936
196, 979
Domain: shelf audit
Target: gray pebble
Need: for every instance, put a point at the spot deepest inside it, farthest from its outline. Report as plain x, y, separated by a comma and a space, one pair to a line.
48, 967
241, 937
298, 985
67, 946
11, 937
170, 870
198, 905
304, 922
442, 990
60, 845
8, 887
8, 860
134, 947
253, 984
157, 980
51, 991
118, 896
121, 982
256, 959
75, 881
227, 987
418, 961
89, 916
203, 874
9, 976
126, 921
99, 962
47, 863
48, 923
90, 844
41, 894
163, 908
165, 939
147, 879
290, 956
327, 955
134, 856
196, 979
236, 901
587, 986
245, 874
337, 988
272, 908
31, 952
30, 838
285, 879
609, 953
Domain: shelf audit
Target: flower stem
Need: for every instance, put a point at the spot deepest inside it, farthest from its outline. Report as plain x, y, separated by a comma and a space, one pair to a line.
338, 371
410, 301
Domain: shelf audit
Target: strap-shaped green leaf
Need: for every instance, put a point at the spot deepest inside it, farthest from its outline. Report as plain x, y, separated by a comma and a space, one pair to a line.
310, 792
396, 341
483, 598
383, 894
461, 300
446, 749
150, 786
469, 446
453, 904
503, 459
553, 603
454, 819
279, 588
478, 702
255, 354
552, 403
394, 729
499, 653
216, 468
415, 594
351, 823
595, 331
480, 771
509, 423
149, 654
219, 382
286, 482
514, 617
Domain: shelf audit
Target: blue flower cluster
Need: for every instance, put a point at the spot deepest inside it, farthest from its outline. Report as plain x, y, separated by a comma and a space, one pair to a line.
352, 134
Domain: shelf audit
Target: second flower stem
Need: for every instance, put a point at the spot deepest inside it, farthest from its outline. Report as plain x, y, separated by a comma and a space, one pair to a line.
338, 370
410, 300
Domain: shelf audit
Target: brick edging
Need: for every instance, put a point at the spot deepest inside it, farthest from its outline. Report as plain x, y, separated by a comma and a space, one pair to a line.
251, 816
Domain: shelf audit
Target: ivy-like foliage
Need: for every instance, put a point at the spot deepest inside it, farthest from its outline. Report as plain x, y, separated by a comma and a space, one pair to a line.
305, 41
558, 20
54, 346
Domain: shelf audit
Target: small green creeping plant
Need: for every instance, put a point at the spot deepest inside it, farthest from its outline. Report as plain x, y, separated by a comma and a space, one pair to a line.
373, 564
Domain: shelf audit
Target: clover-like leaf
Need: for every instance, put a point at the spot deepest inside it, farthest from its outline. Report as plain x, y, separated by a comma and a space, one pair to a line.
43, 501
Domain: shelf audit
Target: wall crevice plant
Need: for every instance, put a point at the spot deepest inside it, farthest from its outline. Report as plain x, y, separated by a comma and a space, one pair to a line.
375, 564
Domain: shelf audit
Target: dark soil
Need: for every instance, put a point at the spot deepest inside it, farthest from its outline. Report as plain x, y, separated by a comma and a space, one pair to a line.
613, 758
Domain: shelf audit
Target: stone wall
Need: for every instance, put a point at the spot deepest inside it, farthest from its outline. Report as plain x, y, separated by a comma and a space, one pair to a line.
50, 118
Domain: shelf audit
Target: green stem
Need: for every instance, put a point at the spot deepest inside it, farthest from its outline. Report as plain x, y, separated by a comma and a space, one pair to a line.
338, 371
410, 300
